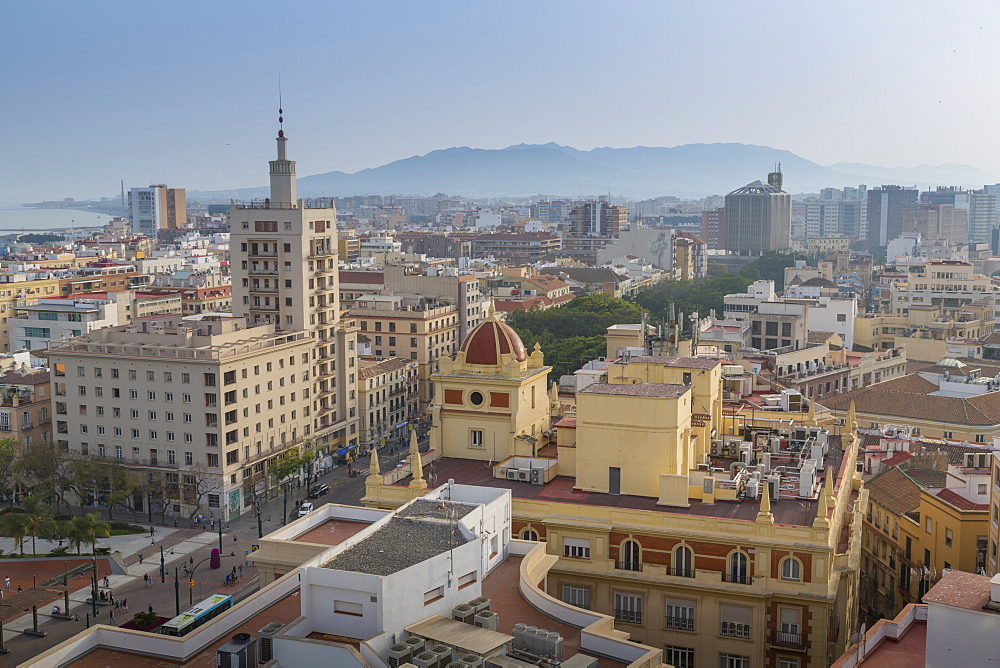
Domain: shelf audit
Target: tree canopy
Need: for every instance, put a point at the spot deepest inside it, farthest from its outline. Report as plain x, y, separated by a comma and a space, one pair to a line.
573, 334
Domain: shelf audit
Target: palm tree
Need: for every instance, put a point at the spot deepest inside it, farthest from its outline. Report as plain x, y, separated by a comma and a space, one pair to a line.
38, 520
86, 529
14, 525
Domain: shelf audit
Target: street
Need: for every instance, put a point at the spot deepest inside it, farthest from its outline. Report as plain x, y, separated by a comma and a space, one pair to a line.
161, 593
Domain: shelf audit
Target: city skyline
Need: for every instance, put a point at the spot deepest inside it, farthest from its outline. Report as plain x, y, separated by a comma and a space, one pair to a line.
186, 99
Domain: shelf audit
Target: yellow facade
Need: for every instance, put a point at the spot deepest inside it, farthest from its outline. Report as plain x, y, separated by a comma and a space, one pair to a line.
490, 411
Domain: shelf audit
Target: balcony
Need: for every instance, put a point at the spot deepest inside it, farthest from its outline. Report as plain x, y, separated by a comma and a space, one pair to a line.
255, 271
737, 578
266, 288
262, 253
679, 623
628, 616
795, 641
735, 630
629, 566
264, 307
681, 572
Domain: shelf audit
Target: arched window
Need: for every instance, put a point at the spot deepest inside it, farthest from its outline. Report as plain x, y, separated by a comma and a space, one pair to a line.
630, 556
683, 562
529, 534
791, 569
738, 568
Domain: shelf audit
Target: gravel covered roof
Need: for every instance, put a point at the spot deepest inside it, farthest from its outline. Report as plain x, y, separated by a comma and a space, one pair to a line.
660, 390
443, 510
401, 543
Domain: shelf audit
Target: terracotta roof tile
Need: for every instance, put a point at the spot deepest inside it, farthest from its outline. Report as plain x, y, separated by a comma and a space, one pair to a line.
955, 499
895, 490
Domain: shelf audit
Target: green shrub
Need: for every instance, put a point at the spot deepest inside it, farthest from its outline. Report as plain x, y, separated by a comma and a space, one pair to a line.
60, 551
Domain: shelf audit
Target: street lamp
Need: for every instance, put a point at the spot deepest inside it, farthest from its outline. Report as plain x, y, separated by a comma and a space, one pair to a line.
94, 598
163, 569
149, 505
260, 528
191, 588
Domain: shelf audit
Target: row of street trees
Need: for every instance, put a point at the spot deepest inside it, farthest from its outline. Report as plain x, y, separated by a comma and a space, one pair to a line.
36, 520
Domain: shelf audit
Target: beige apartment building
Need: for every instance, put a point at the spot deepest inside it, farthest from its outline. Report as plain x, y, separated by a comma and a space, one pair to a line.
412, 327
388, 394
212, 400
284, 273
26, 407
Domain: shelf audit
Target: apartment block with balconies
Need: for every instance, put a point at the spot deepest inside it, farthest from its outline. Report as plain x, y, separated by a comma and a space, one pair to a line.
211, 398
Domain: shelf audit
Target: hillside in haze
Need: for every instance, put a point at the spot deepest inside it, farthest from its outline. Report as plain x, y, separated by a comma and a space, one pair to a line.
691, 170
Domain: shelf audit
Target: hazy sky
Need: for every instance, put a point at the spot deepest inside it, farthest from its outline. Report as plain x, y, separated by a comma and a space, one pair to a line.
185, 93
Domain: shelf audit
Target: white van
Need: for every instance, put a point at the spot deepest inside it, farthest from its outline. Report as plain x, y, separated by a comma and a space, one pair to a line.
305, 509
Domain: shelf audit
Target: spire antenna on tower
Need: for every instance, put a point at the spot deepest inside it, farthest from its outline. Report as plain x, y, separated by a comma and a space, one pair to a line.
281, 111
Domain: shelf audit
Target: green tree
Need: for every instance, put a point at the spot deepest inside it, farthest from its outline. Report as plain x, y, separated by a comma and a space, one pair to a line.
8, 467
574, 333
38, 520
86, 529
14, 525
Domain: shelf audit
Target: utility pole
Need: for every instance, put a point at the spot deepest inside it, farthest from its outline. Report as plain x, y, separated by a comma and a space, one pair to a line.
94, 598
220, 533
177, 591
163, 568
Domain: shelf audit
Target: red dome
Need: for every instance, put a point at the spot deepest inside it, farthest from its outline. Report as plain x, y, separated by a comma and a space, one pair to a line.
489, 340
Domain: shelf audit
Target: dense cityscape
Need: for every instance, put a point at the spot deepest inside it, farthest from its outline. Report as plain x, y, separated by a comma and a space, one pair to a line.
558, 363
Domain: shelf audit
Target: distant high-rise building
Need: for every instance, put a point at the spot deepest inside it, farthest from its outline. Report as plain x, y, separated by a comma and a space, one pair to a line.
156, 208
597, 219
983, 215
713, 227
759, 217
838, 212
937, 221
886, 205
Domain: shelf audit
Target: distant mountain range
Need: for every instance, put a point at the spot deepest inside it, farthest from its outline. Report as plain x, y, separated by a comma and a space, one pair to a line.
691, 170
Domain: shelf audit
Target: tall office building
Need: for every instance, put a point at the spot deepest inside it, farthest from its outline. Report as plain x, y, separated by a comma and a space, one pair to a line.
597, 219
886, 205
983, 216
759, 218
156, 208
284, 268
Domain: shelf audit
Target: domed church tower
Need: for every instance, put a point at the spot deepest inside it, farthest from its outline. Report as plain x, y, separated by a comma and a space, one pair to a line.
490, 401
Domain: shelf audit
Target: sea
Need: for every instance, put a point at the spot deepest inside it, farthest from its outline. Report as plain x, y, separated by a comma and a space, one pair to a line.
26, 219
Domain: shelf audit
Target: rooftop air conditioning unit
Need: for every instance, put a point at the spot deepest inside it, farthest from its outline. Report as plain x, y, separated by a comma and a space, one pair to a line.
416, 644
443, 653
487, 620
425, 660
472, 661
266, 646
463, 613
398, 655
716, 448
537, 476
524, 475
512, 474
480, 604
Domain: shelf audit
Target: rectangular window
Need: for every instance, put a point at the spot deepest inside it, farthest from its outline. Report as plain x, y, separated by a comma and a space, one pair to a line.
733, 660
948, 537
576, 595
576, 548
435, 594
679, 614
628, 608
679, 657
735, 621
476, 438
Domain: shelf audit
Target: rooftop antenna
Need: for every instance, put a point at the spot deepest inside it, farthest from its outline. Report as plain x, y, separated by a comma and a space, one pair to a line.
281, 111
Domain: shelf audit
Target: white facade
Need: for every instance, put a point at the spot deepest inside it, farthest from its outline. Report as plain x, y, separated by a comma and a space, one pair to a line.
58, 318
831, 314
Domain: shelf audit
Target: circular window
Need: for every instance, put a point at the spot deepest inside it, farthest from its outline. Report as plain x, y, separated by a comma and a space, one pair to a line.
476, 398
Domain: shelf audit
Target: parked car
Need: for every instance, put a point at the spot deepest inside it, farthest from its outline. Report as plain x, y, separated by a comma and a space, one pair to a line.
318, 491
305, 509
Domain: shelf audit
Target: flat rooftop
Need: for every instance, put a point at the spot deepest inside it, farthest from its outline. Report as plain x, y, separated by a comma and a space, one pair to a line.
659, 390
796, 512
332, 532
380, 553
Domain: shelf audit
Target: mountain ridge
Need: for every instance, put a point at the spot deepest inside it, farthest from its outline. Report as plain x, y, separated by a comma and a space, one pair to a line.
686, 170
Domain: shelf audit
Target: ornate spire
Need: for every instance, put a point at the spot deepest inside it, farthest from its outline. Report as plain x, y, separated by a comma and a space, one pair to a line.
493, 311
825, 496
282, 170
373, 466
764, 515
416, 463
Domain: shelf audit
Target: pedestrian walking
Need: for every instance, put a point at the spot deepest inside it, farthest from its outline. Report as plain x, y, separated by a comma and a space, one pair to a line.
150, 608
191, 560
241, 570
175, 522
152, 530
118, 605
107, 581
125, 605
213, 525
111, 616
140, 558
6, 582
19, 589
